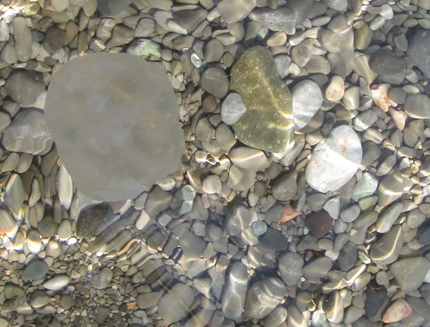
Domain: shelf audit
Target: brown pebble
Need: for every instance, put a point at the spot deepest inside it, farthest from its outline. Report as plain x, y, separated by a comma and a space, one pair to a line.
319, 223
397, 311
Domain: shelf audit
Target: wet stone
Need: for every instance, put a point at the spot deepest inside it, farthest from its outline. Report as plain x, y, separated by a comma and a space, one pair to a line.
102, 279
28, 133
35, 270
366, 186
388, 218
215, 81
281, 19
319, 223
417, 106
238, 218
112, 7
233, 11
175, 303
387, 249
285, 187
333, 308
234, 292
249, 158
290, 266
347, 256
273, 240
267, 99
190, 19
385, 62
390, 188
57, 282
94, 219
25, 86
410, 272
263, 296
54, 39
418, 50
307, 99
364, 120
317, 269
335, 160
232, 108
397, 311
375, 297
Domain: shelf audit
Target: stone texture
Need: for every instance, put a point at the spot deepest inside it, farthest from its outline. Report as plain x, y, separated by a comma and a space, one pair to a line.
268, 122
25, 86
112, 7
132, 122
410, 272
419, 50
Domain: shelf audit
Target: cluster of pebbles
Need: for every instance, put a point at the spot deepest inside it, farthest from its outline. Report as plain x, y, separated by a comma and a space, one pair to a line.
331, 231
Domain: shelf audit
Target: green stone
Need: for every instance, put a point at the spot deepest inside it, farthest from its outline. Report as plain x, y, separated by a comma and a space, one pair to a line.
267, 123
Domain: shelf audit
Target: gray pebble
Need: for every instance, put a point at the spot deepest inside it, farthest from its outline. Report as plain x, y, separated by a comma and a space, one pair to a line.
215, 81
290, 266
281, 19
25, 86
103, 279
235, 289
410, 272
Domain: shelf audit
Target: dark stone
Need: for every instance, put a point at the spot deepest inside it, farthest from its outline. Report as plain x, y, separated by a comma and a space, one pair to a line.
273, 240
347, 256
419, 51
375, 296
93, 219
319, 223
384, 62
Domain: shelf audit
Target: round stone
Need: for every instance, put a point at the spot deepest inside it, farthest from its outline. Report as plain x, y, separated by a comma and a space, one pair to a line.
35, 270
25, 86
215, 81
307, 99
417, 106
232, 108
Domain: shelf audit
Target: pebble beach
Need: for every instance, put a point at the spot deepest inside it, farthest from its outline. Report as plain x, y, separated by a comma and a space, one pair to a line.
219, 163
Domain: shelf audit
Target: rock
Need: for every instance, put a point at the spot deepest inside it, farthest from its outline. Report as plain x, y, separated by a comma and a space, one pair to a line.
387, 249
233, 11
333, 308
285, 187
410, 272
366, 186
419, 51
397, 311
8, 225
144, 48
290, 266
387, 219
112, 7
375, 298
336, 89
335, 160
238, 218
267, 99
390, 188
93, 219
57, 282
174, 304
215, 81
147, 300
417, 106
317, 269
263, 296
102, 279
54, 39
35, 270
280, 19
330, 41
28, 133
338, 5
249, 158
145, 131
307, 99
232, 108
385, 62
364, 120
25, 86
319, 223
234, 292
189, 19
273, 240
347, 256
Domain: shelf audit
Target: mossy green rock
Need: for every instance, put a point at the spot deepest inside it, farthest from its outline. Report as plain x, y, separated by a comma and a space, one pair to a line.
267, 123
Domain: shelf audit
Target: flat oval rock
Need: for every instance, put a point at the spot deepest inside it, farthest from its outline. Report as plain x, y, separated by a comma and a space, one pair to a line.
334, 160
267, 123
114, 119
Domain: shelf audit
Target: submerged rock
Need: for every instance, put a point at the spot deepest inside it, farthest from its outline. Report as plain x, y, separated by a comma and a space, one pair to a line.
335, 160
114, 119
267, 123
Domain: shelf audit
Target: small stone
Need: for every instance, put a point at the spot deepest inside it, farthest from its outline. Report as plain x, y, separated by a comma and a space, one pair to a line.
215, 81
388, 218
351, 98
238, 218
249, 158
174, 304
212, 184
317, 269
28, 133
263, 296
112, 7
366, 186
267, 99
190, 19
259, 227
385, 62
233, 11
307, 99
55, 38
35, 270
319, 223
417, 106
273, 240
387, 249
333, 307
410, 272
285, 187
25, 86
390, 188
57, 282
93, 219
290, 266
335, 160
232, 108
144, 48
147, 300
281, 19
336, 89
102, 279
347, 256
418, 50
8, 225
364, 120
397, 311
330, 40
234, 292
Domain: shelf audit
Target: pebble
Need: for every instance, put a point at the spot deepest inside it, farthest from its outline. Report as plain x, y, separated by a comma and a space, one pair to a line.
397, 311
410, 272
234, 292
384, 62
57, 282
273, 240
417, 50
319, 223
290, 266
112, 7
388, 218
8, 225
190, 19
417, 106
147, 300
329, 41
215, 81
302, 53
232, 108
390, 188
174, 304
307, 99
387, 248
335, 89
366, 186
364, 120
54, 39
102, 279
267, 99
335, 160
285, 187
281, 19
317, 269
212, 184
238, 218
263, 296
25, 86
351, 98
28, 133
333, 308
35, 270
249, 158
93, 219
235, 11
